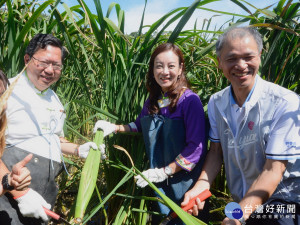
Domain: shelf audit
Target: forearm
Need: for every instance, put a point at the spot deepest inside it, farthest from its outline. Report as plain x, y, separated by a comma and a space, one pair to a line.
211, 167
264, 186
122, 128
175, 167
67, 147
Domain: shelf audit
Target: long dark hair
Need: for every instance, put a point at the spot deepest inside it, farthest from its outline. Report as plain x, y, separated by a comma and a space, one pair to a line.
153, 87
3, 120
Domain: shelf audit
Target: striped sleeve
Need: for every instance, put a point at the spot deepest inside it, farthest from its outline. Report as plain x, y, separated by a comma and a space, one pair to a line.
213, 132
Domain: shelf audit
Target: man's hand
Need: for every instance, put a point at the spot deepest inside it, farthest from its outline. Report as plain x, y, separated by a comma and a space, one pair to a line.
84, 149
31, 205
154, 175
228, 221
188, 196
20, 176
106, 126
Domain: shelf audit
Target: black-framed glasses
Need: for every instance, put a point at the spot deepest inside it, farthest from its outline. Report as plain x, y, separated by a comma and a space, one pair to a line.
45, 64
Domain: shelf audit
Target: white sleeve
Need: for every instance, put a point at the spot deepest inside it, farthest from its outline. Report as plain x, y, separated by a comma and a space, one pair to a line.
213, 132
284, 139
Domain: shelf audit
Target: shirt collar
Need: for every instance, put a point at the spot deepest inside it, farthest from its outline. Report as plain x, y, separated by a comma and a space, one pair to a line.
233, 102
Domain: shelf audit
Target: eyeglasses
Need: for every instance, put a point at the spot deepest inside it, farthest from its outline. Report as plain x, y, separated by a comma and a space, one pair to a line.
45, 65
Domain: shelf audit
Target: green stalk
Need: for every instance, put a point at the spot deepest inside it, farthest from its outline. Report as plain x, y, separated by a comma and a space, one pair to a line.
88, 178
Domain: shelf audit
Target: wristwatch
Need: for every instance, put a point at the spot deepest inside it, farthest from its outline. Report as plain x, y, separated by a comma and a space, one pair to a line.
5, 183
242, 220
168, 171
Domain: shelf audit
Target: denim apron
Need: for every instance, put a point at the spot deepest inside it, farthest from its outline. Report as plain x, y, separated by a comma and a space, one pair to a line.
43, 182
164, 140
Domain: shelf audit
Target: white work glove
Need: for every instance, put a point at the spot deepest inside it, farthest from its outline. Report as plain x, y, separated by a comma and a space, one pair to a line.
102, 149
31, 205
107, 127
84, 149
154, 175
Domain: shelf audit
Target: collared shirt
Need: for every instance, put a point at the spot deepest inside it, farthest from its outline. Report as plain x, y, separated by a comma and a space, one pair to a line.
35, 119
238, 113
270, 129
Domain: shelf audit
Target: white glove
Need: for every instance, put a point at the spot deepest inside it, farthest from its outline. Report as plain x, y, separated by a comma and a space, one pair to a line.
31, 205
154, 175
84, 149
107, 127
102, 149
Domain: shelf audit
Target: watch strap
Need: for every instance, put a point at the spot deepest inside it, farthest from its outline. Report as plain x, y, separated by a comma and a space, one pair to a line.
242, 220
168, 170
5, 183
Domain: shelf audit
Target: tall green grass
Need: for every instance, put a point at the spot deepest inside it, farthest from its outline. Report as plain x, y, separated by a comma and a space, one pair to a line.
104, 78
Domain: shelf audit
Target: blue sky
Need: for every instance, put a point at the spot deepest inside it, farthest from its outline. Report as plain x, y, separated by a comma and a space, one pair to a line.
157, 8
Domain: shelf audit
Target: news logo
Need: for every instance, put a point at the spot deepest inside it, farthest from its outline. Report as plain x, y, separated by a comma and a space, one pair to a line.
233, 211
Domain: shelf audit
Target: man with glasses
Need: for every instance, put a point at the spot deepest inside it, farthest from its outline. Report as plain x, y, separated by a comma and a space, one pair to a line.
35, 125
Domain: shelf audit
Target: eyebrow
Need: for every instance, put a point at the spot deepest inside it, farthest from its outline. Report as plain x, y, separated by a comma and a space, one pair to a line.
162, 62
245, 54
49, 61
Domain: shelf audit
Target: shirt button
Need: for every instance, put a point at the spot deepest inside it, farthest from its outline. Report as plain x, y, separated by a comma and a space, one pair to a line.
36, 160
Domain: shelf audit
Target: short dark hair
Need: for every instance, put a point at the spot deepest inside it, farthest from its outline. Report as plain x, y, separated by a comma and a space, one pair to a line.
239, 32
41, 41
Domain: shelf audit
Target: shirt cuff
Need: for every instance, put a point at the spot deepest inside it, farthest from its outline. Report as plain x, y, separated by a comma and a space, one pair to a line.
214, 140
133, 127
282, 156
184, 163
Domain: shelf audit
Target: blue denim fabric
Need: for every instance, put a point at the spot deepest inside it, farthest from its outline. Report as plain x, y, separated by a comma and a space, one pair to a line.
164, 140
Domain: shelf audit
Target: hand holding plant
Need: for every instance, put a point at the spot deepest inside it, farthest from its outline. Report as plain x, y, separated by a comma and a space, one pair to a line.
154, 175
83, 150
106, 126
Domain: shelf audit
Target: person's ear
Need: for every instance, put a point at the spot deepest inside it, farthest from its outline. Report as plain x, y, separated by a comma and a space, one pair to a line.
26, 58
181, 68
219, 63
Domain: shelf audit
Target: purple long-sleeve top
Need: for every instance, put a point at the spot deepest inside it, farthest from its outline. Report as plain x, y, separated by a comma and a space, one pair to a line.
190, 109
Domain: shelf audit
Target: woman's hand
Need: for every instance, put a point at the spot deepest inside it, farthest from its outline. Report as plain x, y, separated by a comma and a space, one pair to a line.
154, 175
20, 177
106, 126
228, 221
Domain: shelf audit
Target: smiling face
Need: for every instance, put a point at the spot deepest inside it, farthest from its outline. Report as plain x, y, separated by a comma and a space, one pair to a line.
240, 59
166, 69
42, 77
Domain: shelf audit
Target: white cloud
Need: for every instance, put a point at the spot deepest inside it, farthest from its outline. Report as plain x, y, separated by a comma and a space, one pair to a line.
155, 9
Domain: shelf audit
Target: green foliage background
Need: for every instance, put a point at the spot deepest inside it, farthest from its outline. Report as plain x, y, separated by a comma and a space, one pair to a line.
104, 78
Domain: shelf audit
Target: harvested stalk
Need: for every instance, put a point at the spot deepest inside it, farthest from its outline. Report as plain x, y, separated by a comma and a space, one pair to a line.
88, 179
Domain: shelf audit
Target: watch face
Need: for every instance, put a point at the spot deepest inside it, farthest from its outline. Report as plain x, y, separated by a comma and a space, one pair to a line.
168, 170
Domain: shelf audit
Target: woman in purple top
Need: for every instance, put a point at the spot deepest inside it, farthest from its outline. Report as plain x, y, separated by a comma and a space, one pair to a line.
173, 125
